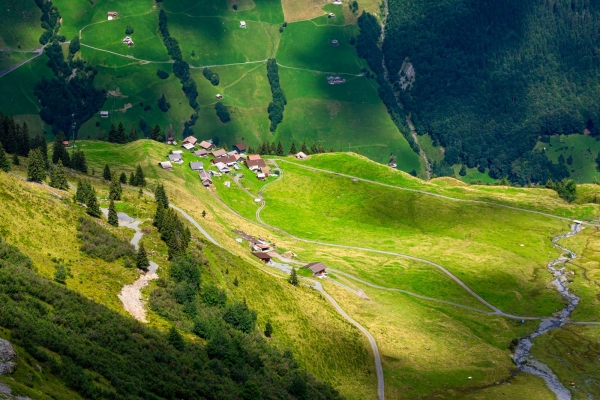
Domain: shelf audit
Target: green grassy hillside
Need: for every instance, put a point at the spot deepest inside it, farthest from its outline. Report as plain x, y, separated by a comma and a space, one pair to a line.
349, 116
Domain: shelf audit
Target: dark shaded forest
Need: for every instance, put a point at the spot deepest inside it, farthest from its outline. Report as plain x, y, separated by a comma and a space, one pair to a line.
491, 77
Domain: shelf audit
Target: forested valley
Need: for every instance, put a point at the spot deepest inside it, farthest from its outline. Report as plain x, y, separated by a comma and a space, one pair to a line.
491, 78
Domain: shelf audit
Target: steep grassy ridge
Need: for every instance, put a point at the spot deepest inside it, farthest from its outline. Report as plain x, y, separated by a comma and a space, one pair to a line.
19, 25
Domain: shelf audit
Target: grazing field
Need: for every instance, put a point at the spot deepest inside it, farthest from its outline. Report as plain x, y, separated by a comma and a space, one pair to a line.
304, 45
268, 11
485, 246
536, 199
10, 58
20, 25
215, 40
317, 112
430, 350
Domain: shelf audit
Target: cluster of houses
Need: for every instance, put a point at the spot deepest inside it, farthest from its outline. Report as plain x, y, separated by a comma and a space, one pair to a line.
128, 41
224, 161
265, 252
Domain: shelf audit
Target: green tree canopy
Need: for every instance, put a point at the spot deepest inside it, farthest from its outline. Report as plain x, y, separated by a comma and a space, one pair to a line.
36, 166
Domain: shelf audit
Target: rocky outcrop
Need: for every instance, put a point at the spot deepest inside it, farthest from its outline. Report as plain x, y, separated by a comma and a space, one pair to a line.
8, 358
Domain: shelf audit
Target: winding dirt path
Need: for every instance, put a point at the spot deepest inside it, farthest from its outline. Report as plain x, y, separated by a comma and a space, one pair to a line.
131, 295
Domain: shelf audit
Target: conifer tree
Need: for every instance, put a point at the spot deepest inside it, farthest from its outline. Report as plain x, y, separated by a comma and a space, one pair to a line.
121, 138
93, 208
113, 218
106, 174
304, 149
24, 145
115, 190
273, 149
176, 340
123, 178
58, 177
142, 258
132, 179
159, 216
78, 162
132, 135
268, 329
293, 277
112, 134
83, 191
161, 196
4, 163
280, 149
140, 179
15, 159
293, 148
59, 152
36, 166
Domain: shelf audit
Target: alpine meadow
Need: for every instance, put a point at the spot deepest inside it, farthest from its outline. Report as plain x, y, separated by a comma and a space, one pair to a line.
299, 199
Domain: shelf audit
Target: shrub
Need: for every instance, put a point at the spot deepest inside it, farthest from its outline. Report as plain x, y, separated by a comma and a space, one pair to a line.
162, 74
101, 243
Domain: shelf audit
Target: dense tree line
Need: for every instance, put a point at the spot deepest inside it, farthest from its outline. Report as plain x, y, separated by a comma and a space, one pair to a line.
84, 343
181, 69
222, 112
211, 76
117, 134
279, 102
367, 48
14, 137
50, 21
492, 77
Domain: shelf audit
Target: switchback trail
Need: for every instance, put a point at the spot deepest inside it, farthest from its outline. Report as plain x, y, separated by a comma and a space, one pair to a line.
428, 193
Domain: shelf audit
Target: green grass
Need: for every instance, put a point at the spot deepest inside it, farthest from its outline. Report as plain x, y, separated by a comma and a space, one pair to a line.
317, 112
10, 58
583, 148
20, 25
572, 353
138, 84
428, 350
268, 11
473, 240
528, 198
108, 35
304, 45
222, 41
78, 15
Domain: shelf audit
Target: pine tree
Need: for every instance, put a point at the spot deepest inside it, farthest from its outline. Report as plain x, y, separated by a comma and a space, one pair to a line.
121, 138
176, 340
15, 159
59, 152
123, 178
463, 171
159, 216
132, 180
115, 190
36, 166
293, 277
132, 135
83, 191
280, 149
293, 148
142, 258
106, 174
268, 329
273, 149
304, 149
93, 208
140, 180
4, 163
112, 134
549, 184
25, 144
113, 219
78, 162
58, 177
161, 196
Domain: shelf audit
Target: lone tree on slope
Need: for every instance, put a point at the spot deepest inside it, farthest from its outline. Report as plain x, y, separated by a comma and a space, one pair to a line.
142, 258
113, 219
293, 277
